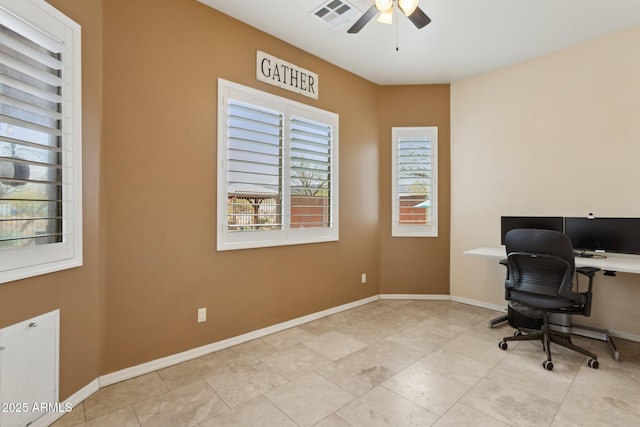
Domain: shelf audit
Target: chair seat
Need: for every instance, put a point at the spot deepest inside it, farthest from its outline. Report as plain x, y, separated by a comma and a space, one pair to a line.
543, 302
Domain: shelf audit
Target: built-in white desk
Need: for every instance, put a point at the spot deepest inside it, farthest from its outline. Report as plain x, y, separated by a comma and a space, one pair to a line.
607, 262
611, 262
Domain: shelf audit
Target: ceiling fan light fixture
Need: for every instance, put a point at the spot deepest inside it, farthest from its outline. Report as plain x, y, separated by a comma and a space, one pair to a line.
386, 17
384, 5
408, 6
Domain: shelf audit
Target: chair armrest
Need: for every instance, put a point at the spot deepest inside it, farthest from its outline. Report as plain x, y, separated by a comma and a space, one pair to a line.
590, 272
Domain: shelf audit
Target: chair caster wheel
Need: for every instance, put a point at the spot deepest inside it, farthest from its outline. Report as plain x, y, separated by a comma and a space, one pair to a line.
593, 363
503, 345
548, 365
517, 333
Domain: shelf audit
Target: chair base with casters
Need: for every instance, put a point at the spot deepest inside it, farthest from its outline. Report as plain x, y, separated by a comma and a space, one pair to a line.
546, 335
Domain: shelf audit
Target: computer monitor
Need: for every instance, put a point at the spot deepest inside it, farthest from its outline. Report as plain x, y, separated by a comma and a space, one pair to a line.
544, 222
620, 235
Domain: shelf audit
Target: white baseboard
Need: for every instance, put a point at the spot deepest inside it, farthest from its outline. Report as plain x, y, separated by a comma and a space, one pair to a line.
500, 308
624, 335
416, 296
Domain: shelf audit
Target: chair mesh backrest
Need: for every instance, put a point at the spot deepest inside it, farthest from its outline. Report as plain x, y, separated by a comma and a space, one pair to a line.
540, 262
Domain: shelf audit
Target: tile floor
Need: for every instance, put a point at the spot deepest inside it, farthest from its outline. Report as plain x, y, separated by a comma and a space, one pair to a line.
387, 363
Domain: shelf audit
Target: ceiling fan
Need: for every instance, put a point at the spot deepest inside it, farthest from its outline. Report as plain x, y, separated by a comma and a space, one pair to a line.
385, 7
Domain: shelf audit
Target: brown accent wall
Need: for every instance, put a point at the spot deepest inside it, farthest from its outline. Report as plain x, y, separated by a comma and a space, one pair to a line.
76, 292
162, 61
150, 70
418, 265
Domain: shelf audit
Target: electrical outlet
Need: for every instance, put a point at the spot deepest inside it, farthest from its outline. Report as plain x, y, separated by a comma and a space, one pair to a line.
202, 314
364, 278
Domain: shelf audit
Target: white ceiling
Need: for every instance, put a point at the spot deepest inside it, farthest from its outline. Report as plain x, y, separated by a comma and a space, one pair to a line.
465, 37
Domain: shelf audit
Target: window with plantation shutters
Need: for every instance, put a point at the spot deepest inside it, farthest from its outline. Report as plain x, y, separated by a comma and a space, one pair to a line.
40, 199
414, 182
277, 174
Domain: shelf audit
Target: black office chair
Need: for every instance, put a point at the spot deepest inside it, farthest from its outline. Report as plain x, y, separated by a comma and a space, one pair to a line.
541, 274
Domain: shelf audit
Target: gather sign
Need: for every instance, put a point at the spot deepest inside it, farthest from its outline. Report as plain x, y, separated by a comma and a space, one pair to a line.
285, 75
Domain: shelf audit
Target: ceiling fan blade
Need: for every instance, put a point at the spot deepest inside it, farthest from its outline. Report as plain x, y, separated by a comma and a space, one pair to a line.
419, 18
364, 19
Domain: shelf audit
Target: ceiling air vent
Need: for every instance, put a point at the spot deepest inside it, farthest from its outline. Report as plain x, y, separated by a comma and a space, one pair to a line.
336, 13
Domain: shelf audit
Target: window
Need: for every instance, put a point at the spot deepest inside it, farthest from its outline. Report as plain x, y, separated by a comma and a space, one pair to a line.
278, 170
414, 174
40, 147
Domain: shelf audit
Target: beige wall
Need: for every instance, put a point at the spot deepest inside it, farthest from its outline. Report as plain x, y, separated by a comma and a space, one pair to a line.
557, 135
414, 265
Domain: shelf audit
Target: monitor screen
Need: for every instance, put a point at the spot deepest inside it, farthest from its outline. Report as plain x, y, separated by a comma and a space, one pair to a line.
604, 234
544, 222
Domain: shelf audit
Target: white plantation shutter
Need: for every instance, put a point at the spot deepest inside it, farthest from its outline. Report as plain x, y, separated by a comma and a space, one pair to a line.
39, 141
254, 180
277, 177
311, 167
414, 182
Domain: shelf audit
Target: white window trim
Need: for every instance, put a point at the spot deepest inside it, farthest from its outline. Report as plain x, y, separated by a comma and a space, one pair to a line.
270, 238
32, 261
403, 230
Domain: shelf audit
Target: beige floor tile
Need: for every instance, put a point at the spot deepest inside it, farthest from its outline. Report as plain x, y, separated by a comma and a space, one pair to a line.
309, 399
465, 315
123, 394
244, 380
295, 361
333, 420
323, 326
428, 389
383, 408
369, 331
72, 418
431, 306
191, 371
510, 404
356, 373
288, 338
125, 417
258, 412
477, 348
250, 350
375, 308
184, 406
441, 327
456, 366
426, 342
402, 317
602, 384
525, 371
334, 344
579, 410
460, 415
493, 335
391, 354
